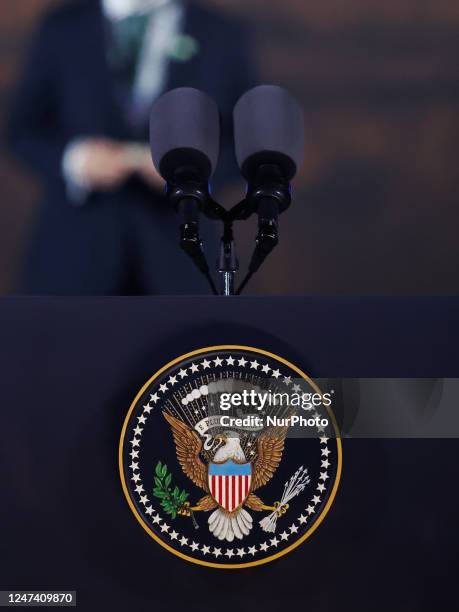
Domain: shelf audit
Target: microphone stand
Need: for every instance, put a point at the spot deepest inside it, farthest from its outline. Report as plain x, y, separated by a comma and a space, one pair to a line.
268, 195
227, 264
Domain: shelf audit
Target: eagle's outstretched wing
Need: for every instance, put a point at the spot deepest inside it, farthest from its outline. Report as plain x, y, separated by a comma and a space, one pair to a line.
270, 446
188, 445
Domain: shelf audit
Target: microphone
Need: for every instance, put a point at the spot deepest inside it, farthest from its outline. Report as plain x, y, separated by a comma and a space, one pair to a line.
269, 146
268, 130
185, 134
185, 145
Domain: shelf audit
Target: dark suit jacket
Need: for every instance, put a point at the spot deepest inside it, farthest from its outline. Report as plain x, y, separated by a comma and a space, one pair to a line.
126, 240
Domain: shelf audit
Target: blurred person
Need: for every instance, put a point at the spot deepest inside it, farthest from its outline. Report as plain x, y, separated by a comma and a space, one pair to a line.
80, 121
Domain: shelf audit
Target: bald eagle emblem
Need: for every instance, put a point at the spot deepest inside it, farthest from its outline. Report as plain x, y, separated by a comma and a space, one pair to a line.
228, 480
214, 463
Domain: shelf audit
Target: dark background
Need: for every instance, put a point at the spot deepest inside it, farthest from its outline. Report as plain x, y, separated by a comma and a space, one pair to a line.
376, 203
70, 369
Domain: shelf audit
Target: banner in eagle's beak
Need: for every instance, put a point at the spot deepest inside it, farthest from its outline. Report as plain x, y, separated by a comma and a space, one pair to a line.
229, 483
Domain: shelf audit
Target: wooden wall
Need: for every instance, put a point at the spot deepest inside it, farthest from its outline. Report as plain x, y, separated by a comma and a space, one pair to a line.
376, 206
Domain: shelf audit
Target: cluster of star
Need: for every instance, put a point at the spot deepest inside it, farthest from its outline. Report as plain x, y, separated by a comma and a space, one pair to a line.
271, 543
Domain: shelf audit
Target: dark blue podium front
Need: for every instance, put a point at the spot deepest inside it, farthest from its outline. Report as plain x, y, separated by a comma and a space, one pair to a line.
69, 370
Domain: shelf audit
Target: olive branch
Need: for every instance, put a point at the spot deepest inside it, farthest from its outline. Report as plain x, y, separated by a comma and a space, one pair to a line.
171, 499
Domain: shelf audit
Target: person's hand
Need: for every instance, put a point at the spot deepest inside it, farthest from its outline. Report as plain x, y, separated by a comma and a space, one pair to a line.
100, 164
150, 175
140, 159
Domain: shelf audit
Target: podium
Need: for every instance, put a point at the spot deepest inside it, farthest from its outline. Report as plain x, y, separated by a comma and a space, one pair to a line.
71, 367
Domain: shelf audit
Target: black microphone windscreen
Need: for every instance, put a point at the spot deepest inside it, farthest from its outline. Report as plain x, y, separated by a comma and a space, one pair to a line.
269, 128
185, 128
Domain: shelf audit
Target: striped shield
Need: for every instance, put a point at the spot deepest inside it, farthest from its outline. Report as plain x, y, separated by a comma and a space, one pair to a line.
229, 483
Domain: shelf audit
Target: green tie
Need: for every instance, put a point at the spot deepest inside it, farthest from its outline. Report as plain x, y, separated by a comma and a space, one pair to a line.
127, 39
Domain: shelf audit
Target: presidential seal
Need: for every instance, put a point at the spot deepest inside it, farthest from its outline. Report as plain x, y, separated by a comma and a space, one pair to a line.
230, 456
